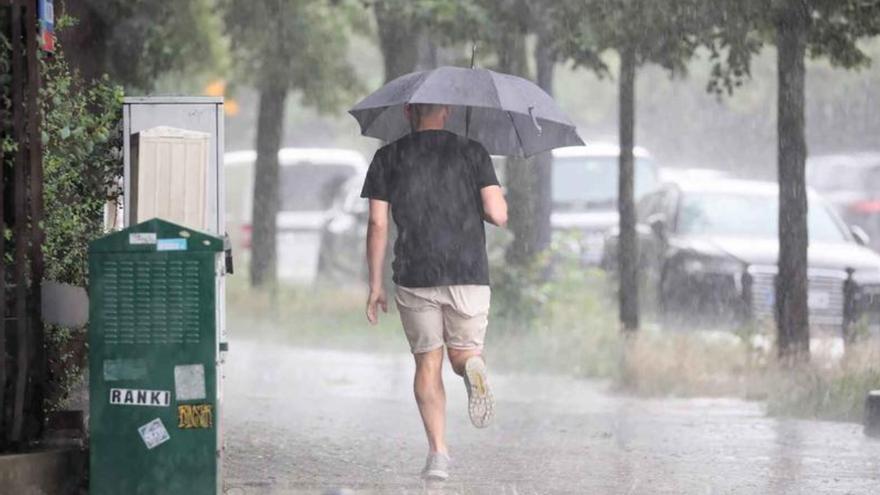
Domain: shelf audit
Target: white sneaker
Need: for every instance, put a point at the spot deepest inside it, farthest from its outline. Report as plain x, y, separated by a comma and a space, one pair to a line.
481, 403
436, 467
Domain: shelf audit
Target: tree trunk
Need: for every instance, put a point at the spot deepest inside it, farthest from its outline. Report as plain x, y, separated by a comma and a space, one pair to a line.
523, 186
628, 249
270, 123
792, 317
543, 163
398, 41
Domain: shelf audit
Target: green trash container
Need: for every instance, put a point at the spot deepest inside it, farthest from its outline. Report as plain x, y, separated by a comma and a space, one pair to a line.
153, 354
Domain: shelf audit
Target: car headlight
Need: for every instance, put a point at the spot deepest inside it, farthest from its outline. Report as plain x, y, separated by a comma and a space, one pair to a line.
707, 265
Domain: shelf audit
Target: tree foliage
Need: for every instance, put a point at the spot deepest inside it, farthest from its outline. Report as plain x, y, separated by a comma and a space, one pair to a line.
447, 21
662, 32
300, 43
136, 41
833, 30
406, 27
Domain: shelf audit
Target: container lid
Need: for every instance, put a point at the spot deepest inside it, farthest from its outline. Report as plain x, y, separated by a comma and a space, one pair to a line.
156, 235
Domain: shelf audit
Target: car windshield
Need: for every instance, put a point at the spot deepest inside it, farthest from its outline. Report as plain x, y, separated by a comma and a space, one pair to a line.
582, 182
311, 187
745, 215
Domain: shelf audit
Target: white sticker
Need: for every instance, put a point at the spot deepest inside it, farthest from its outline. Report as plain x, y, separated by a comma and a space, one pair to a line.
142, 238
189, 382
154, 433
176, 244
135, 397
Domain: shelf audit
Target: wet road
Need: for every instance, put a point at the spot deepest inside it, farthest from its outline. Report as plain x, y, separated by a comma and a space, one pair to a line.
303, 421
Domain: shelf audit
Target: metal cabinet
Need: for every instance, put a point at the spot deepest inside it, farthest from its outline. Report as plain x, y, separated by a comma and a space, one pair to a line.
153, 361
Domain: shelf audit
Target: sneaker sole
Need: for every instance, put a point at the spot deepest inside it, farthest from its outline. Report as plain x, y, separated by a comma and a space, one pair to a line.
481, 403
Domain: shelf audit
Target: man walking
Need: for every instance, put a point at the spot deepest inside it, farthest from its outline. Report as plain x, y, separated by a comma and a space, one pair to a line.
440, 187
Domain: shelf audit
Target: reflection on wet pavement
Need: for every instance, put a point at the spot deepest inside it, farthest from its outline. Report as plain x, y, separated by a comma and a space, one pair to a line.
301, 421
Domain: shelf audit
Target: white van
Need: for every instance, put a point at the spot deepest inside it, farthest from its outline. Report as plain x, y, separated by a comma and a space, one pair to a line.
310, 179
585, 192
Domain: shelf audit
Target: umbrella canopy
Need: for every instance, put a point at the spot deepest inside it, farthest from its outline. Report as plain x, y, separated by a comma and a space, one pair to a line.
509, 115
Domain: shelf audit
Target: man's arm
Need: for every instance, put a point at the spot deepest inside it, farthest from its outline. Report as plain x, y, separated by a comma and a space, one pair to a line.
494, 205
377, 239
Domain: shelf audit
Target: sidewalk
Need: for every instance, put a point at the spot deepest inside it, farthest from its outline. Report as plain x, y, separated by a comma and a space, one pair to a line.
304, 421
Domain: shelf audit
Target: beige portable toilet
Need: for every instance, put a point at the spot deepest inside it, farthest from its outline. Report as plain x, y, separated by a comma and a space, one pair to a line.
170, 169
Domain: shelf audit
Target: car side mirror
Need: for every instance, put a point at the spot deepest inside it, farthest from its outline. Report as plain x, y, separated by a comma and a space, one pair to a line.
861, 237
657, 222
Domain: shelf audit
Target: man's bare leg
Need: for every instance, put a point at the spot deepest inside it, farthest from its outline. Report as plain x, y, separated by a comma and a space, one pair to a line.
458, 358
431, 397
469, 364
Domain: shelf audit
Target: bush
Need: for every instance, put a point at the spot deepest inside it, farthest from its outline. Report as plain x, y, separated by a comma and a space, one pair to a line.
82, 163
552, 314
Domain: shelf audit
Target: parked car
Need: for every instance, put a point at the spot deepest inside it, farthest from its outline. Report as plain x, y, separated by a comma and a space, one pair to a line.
852, 183
343, 237
584, 193
709, 249
310, 181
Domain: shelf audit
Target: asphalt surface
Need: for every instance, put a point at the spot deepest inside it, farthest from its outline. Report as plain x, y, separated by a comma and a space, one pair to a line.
306, 421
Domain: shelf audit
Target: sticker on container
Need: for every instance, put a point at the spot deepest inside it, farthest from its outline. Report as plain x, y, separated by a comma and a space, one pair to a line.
124, 369
191, 416
135, 397
154, 433
141, 238
176, 244
189, 382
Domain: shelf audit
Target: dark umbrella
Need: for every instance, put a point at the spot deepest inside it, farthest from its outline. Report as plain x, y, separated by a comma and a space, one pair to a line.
509, 115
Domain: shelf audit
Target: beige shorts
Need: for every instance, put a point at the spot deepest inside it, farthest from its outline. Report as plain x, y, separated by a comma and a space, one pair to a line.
455, 315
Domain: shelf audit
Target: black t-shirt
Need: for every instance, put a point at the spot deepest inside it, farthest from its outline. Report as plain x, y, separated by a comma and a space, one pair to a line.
432, 179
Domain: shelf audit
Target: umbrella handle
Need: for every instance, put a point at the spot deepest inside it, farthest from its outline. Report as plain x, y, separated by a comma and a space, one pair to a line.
535, 121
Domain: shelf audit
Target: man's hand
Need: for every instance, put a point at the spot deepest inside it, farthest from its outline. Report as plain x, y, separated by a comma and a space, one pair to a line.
377, 299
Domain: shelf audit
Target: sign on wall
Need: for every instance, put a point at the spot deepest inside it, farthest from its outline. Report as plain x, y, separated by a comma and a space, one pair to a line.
46, 14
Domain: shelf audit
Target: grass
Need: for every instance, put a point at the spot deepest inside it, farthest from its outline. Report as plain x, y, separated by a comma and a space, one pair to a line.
836, 392
659, 363
315, 317
662, 364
